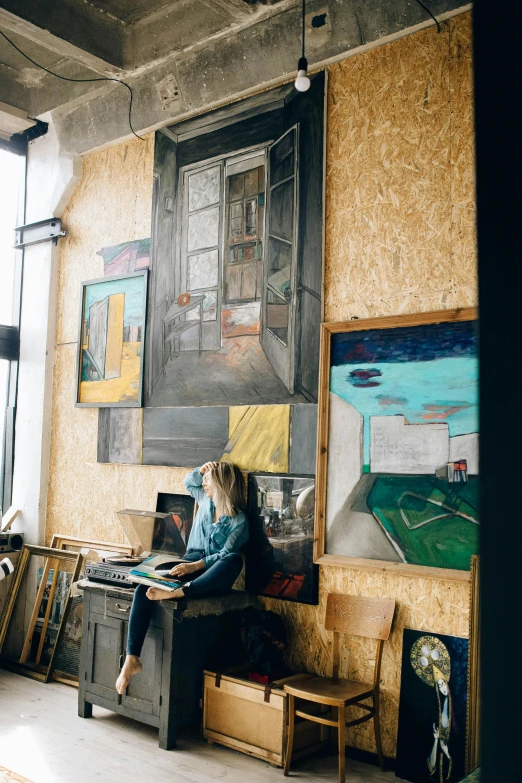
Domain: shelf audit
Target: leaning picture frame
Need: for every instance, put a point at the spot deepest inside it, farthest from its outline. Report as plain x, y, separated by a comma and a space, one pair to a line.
48, 581
66, 669
397, 446
111, 340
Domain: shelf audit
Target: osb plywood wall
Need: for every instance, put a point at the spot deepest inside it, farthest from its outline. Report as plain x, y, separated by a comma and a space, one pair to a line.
399, 238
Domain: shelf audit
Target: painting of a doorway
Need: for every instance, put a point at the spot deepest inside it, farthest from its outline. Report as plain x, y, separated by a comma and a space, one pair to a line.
431, 742
236, 274
398, 481
111, 339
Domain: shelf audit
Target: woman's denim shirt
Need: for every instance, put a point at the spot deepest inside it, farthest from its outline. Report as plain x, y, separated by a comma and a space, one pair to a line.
215, 539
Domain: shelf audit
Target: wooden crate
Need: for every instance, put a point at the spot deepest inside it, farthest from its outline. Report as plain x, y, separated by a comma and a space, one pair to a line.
253, 718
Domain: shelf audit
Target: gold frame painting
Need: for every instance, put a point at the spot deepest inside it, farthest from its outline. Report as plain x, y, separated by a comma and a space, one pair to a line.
397, 446
52, 558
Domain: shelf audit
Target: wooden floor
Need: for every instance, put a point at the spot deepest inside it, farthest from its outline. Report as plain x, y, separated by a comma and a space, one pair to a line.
42, 739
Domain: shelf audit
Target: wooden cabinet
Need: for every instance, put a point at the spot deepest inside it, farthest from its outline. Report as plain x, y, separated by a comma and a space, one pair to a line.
177, 648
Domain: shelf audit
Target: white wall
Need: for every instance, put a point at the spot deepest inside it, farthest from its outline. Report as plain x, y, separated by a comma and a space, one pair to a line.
466, 447
399, 447
51, 178
345, 455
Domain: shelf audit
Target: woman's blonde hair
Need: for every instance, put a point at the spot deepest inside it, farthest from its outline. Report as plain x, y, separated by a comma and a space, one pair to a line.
229, 488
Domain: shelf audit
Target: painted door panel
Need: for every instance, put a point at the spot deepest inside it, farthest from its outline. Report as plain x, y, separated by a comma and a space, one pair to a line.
201, 251
279, 295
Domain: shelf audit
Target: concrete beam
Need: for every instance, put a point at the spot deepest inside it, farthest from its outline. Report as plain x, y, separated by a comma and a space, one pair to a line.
230, 66
77, 30
37, 92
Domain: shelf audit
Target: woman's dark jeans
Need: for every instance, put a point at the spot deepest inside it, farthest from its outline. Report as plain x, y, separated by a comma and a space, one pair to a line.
215, 580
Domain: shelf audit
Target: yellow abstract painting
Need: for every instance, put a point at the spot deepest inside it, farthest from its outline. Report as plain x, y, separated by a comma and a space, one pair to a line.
259, 438
110, 366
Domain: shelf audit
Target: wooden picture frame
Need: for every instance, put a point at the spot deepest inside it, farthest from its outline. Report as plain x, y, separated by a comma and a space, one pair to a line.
116, 319
328, 333
62, 541
51, 555
473, 717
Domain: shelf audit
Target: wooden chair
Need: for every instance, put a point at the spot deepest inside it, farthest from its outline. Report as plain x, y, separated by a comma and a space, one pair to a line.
371, 617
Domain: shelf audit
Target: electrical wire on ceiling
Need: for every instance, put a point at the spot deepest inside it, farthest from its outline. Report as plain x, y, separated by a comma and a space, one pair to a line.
68, 79
302, 82
439, 28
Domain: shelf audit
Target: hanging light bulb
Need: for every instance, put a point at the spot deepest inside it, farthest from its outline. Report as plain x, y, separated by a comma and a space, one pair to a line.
302, 83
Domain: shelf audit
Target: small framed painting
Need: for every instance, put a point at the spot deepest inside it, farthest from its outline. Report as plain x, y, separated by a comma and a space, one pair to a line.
279, 561
178, 526
111, 340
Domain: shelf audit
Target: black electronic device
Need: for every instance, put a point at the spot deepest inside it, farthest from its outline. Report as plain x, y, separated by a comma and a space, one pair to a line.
11, 542
109, 574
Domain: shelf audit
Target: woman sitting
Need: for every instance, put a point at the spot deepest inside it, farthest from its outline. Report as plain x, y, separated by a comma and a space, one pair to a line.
211, 563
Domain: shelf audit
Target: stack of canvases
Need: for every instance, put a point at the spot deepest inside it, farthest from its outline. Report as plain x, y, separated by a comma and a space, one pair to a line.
217, 337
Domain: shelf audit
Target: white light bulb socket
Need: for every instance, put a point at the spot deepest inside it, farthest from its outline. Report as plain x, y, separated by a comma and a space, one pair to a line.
302, 83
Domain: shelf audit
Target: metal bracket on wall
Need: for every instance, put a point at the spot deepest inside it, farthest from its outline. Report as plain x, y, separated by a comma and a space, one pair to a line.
9, 342
43, 231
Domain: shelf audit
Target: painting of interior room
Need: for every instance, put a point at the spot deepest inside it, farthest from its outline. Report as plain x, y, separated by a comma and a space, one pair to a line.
402, 432
235, 296
235, 293
279, 555
431, 743
110, 351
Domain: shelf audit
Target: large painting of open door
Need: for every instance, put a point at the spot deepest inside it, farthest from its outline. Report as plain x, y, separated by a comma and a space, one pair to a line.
280, 274
238, 251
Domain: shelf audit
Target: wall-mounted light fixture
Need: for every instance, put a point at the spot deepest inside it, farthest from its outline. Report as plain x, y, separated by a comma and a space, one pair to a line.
302, 82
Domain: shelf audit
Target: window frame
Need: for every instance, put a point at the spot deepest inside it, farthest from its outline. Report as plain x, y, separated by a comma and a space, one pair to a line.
9, 347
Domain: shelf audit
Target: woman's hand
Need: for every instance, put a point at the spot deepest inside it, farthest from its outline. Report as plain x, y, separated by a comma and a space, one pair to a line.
183, 569
206, 467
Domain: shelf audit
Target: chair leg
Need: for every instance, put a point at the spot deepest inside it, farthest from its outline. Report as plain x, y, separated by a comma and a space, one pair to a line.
377, 729
290, 738
341, 729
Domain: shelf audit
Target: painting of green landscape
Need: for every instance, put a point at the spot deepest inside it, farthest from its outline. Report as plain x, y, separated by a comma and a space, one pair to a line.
403, 464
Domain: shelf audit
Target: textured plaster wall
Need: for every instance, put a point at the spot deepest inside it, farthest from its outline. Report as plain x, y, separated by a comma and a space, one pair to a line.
399, 239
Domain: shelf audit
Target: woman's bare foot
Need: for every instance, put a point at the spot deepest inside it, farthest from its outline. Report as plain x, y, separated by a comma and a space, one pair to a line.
131, 667
157, 594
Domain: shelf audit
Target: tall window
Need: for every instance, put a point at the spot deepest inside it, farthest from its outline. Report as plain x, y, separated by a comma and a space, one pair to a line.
12, 176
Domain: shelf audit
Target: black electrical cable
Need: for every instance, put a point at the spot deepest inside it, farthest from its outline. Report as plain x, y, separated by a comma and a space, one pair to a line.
432, 16
303, 43
67, 79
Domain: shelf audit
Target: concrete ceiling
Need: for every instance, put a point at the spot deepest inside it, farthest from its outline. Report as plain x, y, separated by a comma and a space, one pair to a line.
179, 56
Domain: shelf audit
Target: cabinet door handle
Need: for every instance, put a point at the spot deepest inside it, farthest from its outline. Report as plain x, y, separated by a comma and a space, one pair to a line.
123, 608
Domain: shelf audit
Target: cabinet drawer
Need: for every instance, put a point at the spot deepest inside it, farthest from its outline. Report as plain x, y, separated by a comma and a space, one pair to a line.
117, 607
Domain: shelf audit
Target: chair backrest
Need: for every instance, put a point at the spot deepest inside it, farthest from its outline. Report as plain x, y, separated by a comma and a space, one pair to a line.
360, 616
353, 614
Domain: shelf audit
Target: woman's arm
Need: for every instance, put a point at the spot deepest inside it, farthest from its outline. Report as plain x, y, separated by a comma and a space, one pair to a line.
182, 569
237, 537
193, 483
